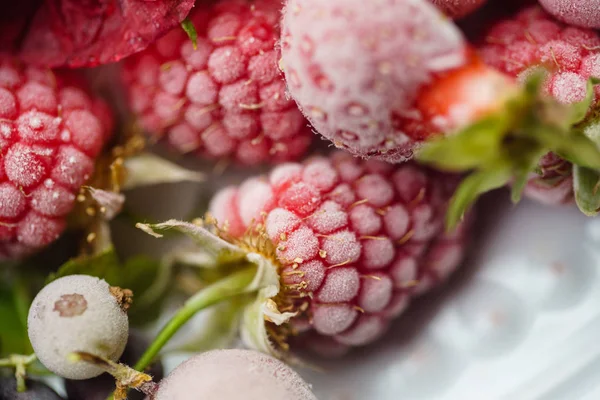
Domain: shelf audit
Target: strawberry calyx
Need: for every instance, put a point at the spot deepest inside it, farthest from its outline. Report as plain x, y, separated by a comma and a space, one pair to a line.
506, 146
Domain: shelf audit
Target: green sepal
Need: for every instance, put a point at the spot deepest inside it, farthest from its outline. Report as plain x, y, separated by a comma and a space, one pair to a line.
221, 250
580, 109
506, 146
472, 147
586, 185
138, 273
472, 187
188, 26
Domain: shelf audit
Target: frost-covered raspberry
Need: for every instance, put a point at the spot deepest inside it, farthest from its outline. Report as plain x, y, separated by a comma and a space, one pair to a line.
234, 375
51, 131
355, 240
534, 38
226, 99
78, 313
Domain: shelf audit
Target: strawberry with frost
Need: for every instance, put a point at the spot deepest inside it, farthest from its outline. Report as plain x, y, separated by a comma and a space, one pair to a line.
376, 79
226, 98
342, 246
383, 86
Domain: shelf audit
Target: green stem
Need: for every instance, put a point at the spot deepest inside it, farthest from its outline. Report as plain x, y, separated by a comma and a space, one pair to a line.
224, 289
20, 364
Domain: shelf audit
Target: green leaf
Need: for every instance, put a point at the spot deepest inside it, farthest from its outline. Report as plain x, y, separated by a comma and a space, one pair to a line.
586, 185
579, 150
137, 274
474, 146
190, 29
97, 265
580, 109
521, 174
14, 304
472, 187
220, 249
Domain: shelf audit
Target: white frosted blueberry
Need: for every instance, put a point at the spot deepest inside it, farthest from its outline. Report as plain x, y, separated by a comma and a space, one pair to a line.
77, 313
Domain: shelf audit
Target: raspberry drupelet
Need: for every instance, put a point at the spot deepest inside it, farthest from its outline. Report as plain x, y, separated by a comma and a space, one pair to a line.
355, 240
51, 131
226, 98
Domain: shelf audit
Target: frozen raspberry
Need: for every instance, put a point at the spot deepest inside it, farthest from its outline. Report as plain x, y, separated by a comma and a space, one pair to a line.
458, 8
225, 99
572, 55
51, 131
355, 240
584, 13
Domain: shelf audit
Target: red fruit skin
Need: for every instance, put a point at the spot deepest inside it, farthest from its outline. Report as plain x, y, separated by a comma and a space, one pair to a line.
358, 239
533, 38
227, 98
51, 131
369, 77
75, 33
458, 8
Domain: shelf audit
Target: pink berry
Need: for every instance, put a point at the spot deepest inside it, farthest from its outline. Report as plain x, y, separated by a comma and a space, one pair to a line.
225, 99
355, 242
51, 132
584, 13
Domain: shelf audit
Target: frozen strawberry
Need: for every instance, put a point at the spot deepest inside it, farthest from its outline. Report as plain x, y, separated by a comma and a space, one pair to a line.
533, 38
225, 99
78, 33
381, 77
388, 79
353, 241
51, 131
458, 8
584, 13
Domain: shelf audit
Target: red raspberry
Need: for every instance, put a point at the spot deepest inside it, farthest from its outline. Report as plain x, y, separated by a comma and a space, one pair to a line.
356, 240
572, 55
226, 98
51, 131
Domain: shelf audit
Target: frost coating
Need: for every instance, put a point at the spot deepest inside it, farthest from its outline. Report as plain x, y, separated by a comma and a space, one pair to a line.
373, 239
354, 72
584, 13
234, 375
226, 99
76, 313
51, 131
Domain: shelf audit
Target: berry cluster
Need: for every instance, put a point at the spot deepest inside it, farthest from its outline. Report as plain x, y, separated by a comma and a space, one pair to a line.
321, 253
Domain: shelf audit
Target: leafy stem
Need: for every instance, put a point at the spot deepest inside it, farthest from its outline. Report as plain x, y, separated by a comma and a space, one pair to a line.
231, 286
